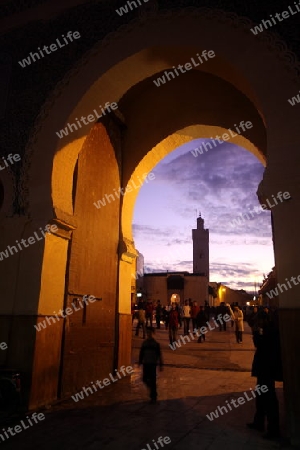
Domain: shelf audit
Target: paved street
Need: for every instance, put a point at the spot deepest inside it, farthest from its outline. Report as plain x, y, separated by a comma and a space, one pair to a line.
197, 378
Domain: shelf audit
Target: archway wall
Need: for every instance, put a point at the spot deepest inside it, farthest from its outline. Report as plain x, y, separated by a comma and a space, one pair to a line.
241, 59
80, 259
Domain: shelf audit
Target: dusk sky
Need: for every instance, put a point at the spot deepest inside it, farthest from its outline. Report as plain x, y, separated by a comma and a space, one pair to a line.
221, 184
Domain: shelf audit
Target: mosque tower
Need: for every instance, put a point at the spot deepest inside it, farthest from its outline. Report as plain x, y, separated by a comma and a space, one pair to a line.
201, 248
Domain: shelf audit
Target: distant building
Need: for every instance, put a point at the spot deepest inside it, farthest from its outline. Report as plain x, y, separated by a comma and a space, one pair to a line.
231, 296
178, 286
213, 299
175, 286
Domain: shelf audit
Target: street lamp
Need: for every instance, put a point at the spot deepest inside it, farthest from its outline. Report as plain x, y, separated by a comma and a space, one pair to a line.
224, 290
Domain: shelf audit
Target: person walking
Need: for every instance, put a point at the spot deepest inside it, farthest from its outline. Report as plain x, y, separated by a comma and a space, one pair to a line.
267, 368
217, 313
238, 318
186, 317
201, 321
158, 314
223, 310
150, 356
165, 314
251, 318
141, 318
149, 313
194, 311
207, 310
173, 323
133, 312
180, 314
252, 321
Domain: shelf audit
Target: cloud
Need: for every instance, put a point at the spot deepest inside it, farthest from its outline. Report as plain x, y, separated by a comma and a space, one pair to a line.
241, 240
228, 274
179, 242
222, 183
180, 266
237, 276
147, 230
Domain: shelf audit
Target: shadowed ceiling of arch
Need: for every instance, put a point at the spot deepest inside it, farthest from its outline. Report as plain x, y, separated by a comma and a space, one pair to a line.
214, 97
152, 113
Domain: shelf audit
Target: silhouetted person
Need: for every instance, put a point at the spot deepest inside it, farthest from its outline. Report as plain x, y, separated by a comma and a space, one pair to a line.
173, 323
158, 313
207, 309
252, 316
217, 312
201, 320
133, 312
141, 318
180, 314
194, 311
222, 309
150, 356
149, 313
166, 317
267, 367
252, 320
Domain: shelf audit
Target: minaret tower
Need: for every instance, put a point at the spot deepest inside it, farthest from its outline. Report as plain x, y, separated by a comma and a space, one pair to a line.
201, 248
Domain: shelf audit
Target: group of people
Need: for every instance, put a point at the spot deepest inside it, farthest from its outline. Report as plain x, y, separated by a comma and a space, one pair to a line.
190, 314
173, 316
144, 314
266, 367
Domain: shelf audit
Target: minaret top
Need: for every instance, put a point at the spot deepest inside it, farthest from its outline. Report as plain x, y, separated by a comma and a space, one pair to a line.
200, 223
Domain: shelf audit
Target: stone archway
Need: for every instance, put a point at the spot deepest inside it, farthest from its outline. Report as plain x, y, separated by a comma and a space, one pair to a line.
136, 54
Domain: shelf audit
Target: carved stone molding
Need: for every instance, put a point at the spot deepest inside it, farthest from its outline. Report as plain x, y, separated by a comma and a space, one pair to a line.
127, 251
8, 180
64, 229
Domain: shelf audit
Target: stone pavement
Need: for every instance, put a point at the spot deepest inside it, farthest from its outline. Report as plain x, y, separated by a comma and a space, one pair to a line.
197, 378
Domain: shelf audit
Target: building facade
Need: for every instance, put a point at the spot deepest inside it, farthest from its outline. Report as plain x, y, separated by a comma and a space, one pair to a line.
183, 285
178, 286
